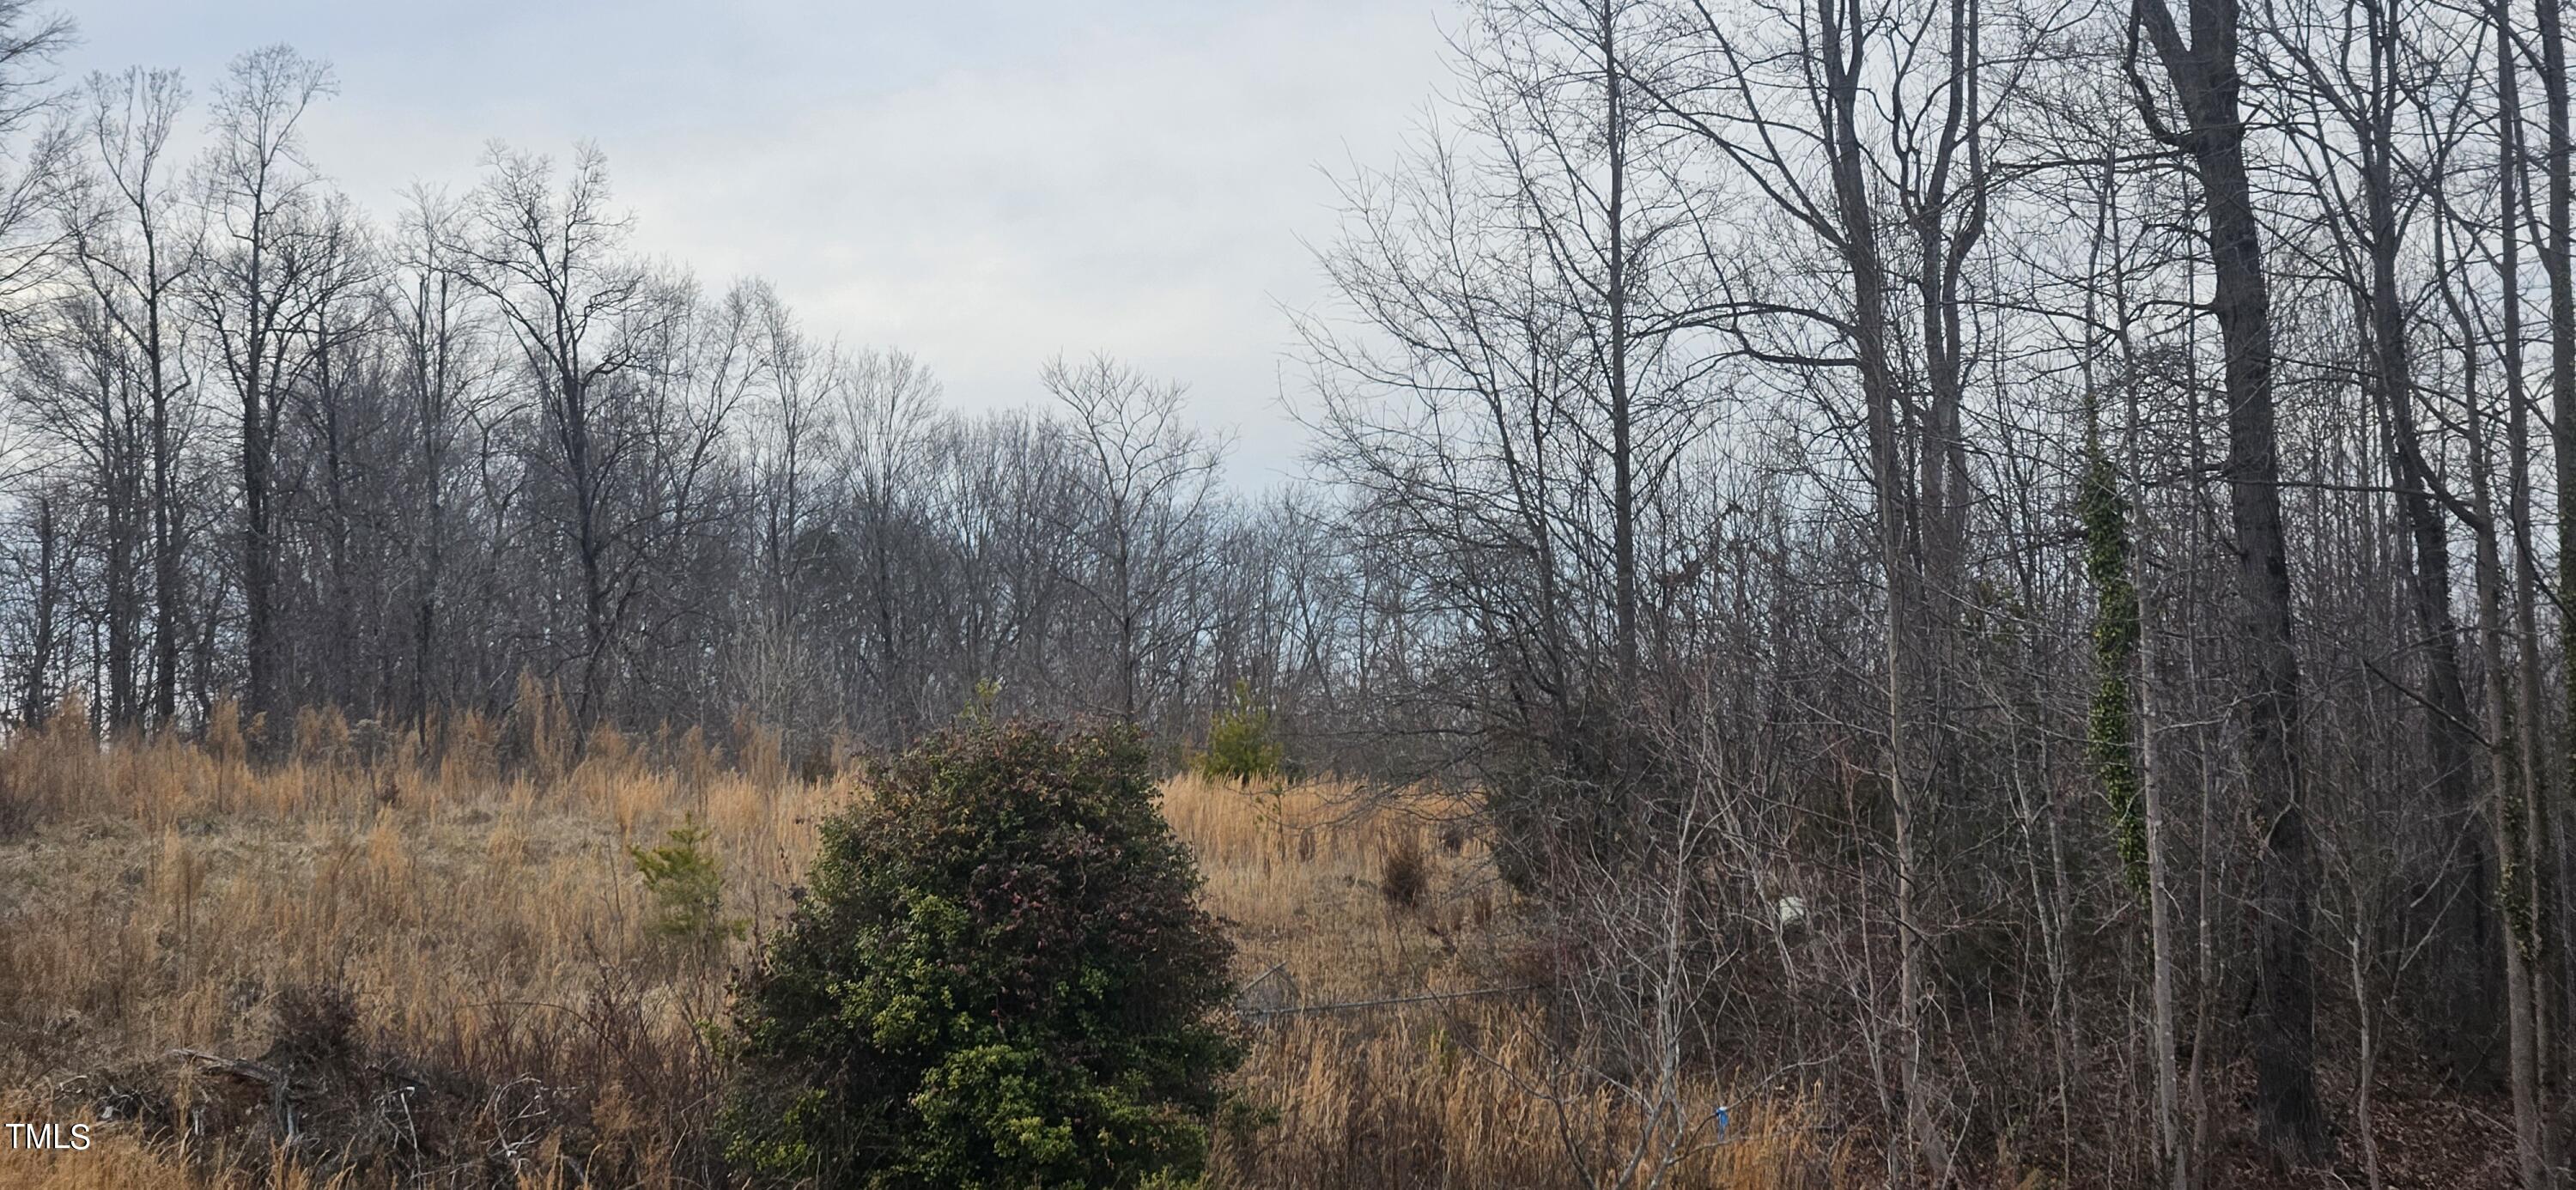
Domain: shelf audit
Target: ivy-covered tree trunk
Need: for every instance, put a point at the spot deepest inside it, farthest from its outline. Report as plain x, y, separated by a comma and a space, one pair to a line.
2113, 745
2111, 739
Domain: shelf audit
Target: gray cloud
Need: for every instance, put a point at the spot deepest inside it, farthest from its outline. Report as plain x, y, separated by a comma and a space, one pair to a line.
983, 184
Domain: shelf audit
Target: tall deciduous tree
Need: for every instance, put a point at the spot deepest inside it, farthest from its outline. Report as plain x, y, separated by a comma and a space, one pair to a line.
2204, 77
268, 253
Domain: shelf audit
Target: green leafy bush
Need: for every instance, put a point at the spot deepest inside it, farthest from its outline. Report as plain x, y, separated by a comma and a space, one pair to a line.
686, 883
1000, 976
1240, 745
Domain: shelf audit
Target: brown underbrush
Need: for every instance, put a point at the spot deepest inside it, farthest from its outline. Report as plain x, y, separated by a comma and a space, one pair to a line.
426, 955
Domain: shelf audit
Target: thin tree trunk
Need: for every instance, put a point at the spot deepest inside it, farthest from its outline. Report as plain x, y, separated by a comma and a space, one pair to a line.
2160, 932
2562, 402
1623, 498
1846, 36
36, 702
2517, 812
2463, 998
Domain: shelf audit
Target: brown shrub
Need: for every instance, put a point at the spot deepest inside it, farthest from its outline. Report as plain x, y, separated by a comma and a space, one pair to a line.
1404, 873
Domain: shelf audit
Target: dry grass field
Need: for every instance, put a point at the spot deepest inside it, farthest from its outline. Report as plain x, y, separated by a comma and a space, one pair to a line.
464, 947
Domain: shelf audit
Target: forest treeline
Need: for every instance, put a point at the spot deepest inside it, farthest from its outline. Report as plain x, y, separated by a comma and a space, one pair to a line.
272, 449
1996, 561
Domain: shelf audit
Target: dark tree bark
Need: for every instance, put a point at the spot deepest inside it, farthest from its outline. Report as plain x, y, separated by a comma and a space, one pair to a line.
37, 696
1623, 441
2203, 73
2545, 874
2462, 1001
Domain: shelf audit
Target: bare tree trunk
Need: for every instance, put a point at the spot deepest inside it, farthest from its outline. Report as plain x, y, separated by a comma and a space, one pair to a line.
2463, 998
2367, 1061
124, 597
167, 516
37, 697
1623, 446
2554, 262
1846, 36
2518, 808
2504, 723
2204, 77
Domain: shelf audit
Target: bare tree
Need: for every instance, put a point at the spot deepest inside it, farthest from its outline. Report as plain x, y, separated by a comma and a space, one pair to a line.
582, 316
444, 366
134, 256
2203, 76
1147, 480
38, 166
268, 250
2369, 152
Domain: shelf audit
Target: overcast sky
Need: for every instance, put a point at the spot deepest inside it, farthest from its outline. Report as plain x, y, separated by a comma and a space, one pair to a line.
983, 183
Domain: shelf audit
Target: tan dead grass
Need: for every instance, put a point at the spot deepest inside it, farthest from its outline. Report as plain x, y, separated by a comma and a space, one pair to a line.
170, 891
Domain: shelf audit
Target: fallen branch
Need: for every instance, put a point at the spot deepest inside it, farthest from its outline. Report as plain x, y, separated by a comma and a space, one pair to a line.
245, 1070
